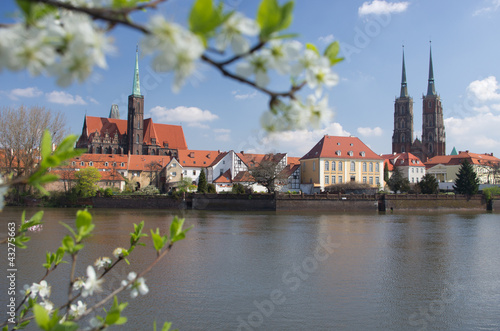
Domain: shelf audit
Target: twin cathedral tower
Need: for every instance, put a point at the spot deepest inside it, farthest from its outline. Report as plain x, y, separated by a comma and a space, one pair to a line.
433, 140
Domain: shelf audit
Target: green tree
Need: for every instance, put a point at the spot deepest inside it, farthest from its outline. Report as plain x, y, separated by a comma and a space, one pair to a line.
238, 189
386, 172
398, 183
202, 182
428, 184
467, 182
211, 188
86, 181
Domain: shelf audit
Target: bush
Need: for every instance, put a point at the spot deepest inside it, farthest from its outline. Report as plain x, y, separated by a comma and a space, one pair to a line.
211, 188
108, 192
490, 192
238, 189
149, 190
350, 187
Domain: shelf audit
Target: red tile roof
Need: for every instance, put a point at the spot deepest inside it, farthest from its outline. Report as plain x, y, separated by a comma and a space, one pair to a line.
254, 159
197, 158
289, 170
164, 134
339, 147
224, 178
219, 158
243, 177
140, 162
402, 160
473, 158
293, 160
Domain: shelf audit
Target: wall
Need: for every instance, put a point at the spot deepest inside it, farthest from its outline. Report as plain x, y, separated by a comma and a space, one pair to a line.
326, 202
236, 202
140, 202
433, 201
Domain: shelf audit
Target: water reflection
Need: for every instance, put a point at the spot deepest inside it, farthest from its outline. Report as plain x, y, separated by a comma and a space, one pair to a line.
280, 271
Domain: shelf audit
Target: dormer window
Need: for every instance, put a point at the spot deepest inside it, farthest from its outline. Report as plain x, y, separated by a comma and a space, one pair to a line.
82, 163
91, 163
106, 164
350, 153
338, 152
338, 144
362, 154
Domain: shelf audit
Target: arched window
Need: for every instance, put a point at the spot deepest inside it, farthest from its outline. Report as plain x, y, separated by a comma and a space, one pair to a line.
137, 140
371, 167
327, 166
340, 166
377, 167
430, 149
333, 165
353, 166
402, 124
364, 166
430, 137
403, 138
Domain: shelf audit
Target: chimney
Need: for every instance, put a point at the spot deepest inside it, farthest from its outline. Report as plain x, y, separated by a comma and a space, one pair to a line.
242, 152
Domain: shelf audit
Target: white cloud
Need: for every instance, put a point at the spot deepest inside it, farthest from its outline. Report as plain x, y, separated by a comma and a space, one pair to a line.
94, 101
495, 4
29, 92
64, 98
369, 132
326, 39
478, 133
485, 90
193, 116
380, 7
298, 143
239, 96
222, 130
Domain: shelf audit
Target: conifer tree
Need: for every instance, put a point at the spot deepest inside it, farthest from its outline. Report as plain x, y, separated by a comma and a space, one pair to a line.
202, 182
467, 182
397, 182
429, 184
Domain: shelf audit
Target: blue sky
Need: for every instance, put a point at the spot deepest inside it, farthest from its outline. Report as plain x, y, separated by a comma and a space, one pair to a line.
219, 114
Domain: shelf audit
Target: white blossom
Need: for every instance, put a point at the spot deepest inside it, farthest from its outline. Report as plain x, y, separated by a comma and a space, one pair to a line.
102, 262
78, 284
232, 31
282, 54
92, 283
175, 48
320, 75
318, 111
78, 309
49, 306
256, 64
42, 289
118, 252
307, 61
138, 286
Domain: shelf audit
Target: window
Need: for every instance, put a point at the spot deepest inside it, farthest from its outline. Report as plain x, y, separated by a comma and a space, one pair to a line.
371, 167
377, 180
413, 179
412, 170
194, 172
349, 153
224, 162
221, 171
340, 167
377, 167
364, 179
122, 164
106, 164
82, 163
73, 163
314, 165
353, 166
333, 165
338, 152
185, 172
333, 179
340, 179
371, 180
114, 164
137, 139
194, 162
362, 154
364, 166
353, 178
421, 170
173, 174
91, 163
327, 166
326, 180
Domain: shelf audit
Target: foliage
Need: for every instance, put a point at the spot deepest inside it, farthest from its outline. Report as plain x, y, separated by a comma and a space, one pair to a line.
466, 182
386, 172
202, 183
36, 305
268, 172
86, 181
211, 188
149, 190
238, 189
428, 184
242, 49
186, 185
108, 192
349, 187
490, 192
398, 183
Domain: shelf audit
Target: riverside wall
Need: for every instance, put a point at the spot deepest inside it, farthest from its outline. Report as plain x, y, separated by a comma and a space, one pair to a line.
291, 202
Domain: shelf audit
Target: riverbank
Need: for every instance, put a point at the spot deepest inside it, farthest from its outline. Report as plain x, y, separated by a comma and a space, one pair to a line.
288, 202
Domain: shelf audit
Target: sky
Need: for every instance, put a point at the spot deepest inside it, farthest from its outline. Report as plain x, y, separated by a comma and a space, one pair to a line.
221, 114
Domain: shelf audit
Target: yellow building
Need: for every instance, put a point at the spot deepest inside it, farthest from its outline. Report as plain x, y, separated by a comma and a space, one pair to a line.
335, 160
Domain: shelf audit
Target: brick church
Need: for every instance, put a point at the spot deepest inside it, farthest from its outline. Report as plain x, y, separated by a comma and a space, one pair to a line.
136, 135
433, 140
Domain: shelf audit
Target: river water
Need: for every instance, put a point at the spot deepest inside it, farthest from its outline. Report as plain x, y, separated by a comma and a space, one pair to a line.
278, 271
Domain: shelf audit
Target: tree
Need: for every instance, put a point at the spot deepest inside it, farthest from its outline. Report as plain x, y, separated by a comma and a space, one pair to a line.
21, 131
428, 184
211, 188
467, 182
202, 183
398, 183
154, 168
268, 172
67, 39
238, 188
386, 172
86, 181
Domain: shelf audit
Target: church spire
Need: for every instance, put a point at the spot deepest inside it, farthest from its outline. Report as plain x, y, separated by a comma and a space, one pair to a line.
137, 87
431, 90
404, 89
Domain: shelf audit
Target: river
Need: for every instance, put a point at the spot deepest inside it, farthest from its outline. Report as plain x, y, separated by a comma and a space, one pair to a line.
279, 271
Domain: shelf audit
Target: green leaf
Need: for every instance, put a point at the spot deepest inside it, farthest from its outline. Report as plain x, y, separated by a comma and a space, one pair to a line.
158, 240
113, 316
68, 244
332, 51
41, 317
69, 228
166, 326
204, 18
176, 232
46, 145
84, 224
34, 11
273, 18
312, 47
286, 15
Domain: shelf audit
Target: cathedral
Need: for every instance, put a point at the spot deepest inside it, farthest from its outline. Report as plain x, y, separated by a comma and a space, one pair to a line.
135, 135
433, 140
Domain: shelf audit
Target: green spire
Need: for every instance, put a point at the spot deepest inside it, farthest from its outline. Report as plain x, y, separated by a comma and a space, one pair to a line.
454, 151
137, 87
431, 90
404, 88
